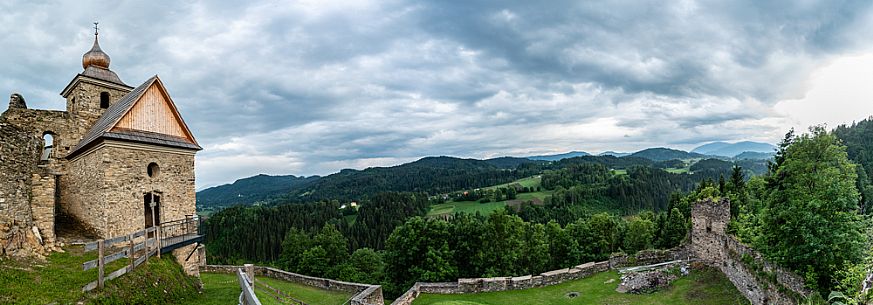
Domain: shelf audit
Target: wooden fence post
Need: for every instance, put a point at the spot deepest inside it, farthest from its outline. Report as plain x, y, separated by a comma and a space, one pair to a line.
250, 272
130, 255
100, 264
158, 240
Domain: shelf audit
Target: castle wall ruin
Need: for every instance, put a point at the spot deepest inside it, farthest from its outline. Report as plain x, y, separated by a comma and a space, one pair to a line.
19, 153
760, 281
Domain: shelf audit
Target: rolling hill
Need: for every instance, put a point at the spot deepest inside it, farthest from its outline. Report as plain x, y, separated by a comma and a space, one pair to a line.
665, 154
250, 190
613, 153
559, 157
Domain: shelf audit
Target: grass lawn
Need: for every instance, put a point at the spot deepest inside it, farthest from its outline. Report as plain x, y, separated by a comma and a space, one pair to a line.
707, 286
57, 279
466, 206
472, 207
673, 170
533, 181
483, 208
221, 288
350, 219
618, 172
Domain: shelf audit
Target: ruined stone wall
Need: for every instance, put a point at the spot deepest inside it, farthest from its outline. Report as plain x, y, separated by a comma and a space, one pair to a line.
119, 173
43, 207
477, 285
81, 191
760, 281
39, 122
709, 220
19, 155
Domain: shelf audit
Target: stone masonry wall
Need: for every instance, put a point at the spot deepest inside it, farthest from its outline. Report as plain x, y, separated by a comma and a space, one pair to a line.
83, 106
191, 265
81, 194
119, 173
742, 265
43, 207
19, 155
364, 294
477, 285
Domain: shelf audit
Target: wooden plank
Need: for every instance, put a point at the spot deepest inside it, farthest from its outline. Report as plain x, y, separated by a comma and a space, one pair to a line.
115, 274
89, 265
139, 261
90, 286
115, 256
91, 246
139, 233
108, 259
153, 113
248, 293
112, 241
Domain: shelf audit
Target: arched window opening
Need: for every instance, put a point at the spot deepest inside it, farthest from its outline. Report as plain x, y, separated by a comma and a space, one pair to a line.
104, 100
48, 140
153, 170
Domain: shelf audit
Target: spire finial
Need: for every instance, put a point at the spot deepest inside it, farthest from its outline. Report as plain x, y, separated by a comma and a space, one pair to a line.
95, 57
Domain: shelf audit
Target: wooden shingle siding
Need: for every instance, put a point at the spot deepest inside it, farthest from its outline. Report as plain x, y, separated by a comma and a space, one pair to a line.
152, 113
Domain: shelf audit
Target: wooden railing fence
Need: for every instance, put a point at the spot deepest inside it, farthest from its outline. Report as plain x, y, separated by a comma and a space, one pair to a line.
247, 285
137, 251
139, 247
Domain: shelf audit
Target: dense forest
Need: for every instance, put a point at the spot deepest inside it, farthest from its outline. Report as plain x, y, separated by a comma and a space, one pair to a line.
250, 190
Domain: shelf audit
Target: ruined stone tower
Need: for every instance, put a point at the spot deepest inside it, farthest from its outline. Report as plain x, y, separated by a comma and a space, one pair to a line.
118, 160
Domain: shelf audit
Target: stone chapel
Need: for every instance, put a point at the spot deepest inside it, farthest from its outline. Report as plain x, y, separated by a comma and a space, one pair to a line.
118, 160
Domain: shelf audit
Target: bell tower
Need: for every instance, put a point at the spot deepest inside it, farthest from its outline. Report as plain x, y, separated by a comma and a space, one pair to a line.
93, 90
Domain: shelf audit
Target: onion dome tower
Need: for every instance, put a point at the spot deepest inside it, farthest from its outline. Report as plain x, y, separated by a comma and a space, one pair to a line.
95, 57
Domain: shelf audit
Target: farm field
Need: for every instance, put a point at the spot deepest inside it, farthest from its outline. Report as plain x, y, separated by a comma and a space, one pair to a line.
706, 286
472, 207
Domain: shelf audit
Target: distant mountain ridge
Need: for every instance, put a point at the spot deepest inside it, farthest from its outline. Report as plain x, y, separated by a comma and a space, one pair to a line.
250, 190
665, 154
429, 174
558, 157
437, 175
731, 150
614, 154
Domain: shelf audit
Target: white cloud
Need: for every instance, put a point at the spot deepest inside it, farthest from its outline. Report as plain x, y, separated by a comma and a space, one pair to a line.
310, 87
840, 92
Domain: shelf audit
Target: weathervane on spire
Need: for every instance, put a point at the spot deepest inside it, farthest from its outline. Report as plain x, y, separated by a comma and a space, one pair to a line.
95, 28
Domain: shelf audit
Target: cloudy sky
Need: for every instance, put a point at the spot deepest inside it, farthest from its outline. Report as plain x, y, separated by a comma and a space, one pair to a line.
311, 87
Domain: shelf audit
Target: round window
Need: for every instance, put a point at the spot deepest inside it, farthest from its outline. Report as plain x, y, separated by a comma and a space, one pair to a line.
153, 170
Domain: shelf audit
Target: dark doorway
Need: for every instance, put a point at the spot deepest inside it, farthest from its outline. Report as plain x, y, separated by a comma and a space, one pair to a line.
152, 207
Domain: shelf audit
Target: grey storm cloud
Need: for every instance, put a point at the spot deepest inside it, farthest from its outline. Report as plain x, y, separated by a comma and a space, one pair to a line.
310, 87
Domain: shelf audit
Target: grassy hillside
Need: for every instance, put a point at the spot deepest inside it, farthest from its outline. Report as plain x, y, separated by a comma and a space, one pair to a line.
706, 286
59, 279
664, 154
472, 207
250, 190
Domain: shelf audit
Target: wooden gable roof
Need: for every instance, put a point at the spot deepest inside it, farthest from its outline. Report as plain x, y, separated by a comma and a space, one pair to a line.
147, 115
